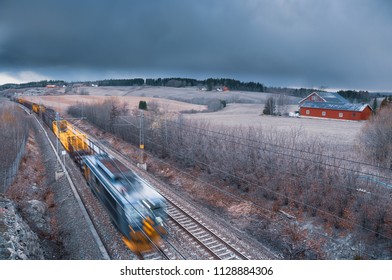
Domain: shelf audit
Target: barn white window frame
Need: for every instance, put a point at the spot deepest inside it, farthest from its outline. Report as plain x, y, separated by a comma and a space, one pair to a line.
323, 113
340, 114
307, 112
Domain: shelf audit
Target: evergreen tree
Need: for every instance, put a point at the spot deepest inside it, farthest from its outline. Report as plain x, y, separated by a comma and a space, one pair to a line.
143, 105
374, 105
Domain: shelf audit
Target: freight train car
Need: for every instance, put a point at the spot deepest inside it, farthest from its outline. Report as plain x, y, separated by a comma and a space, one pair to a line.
72, 139
38, 108
49, 117
20, 100
25, 103
135, 208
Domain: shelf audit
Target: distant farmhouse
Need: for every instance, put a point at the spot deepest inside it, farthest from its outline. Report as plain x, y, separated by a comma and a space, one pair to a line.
333, 106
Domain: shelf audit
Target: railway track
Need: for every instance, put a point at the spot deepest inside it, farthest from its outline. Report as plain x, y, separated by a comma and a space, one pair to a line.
213, 246
186, 223
165, 251
161, 252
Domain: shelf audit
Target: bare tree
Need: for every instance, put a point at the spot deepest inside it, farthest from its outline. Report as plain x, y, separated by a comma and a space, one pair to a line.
375, 137
269, 107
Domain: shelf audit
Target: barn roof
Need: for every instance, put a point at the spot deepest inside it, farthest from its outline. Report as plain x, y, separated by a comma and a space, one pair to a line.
359, 107
328, 97
332, 97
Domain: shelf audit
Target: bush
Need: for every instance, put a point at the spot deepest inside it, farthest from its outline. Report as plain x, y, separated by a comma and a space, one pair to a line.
269, 106
375, 137
214, 105
143, 105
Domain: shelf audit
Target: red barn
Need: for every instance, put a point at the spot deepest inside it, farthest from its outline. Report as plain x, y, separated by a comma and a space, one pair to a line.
331, 97
342, 111
331, 105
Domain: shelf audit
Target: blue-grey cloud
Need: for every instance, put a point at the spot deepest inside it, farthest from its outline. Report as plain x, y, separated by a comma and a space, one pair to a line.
339, 43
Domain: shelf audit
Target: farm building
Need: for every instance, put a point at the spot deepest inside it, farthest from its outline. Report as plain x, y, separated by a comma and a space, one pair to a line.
324, 97
333, 106
348, 111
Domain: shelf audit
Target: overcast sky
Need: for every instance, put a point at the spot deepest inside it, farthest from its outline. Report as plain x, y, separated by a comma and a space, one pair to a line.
311, 43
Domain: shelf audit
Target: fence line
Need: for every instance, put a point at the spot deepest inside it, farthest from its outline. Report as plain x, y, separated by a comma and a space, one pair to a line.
10, 173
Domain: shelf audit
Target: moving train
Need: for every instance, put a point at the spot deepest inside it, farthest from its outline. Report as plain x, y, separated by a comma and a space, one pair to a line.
136, 209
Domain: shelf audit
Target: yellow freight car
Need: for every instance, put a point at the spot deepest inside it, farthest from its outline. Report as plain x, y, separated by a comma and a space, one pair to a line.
38, 108
72, 139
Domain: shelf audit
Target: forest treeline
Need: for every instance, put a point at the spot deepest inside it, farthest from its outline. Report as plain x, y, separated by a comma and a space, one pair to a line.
207, 84
43, 83
355, 96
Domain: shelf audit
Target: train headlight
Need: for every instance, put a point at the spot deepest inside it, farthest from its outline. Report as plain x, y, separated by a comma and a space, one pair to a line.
159, 221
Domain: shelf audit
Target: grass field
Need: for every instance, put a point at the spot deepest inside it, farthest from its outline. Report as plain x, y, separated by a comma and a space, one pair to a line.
185, 94
248, 112
62, 102
333, 131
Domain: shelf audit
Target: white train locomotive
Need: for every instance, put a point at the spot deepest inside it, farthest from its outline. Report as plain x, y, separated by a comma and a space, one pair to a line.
135, 208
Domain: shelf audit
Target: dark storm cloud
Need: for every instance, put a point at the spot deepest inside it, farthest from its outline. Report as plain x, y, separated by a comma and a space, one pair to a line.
342, 43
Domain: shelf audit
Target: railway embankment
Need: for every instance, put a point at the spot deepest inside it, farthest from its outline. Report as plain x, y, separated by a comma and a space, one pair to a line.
44, 214
17, 240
